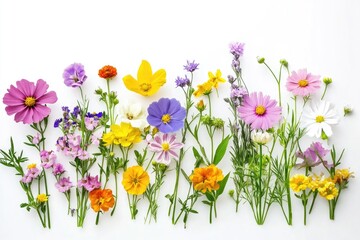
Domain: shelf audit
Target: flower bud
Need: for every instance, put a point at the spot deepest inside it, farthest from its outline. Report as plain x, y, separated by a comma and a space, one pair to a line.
284, 63
231, 192
231, 79
98, 91
200, 106
327, 80
260, 60
260, 137
348, 109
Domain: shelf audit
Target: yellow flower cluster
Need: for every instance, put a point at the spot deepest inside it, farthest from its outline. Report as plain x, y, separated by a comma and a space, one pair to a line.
342, 175
42, 197
207, 178
123, 134
212, 82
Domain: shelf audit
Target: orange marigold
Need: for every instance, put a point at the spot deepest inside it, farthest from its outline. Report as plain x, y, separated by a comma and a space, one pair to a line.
101, 199
135, 180
107, 72
207, 178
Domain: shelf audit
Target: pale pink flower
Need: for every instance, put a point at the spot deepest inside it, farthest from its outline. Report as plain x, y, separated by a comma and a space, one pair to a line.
303, 83
165, 146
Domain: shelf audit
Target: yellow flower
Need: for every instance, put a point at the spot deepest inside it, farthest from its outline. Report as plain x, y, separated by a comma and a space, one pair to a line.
299, 182
123, 134
342, 175
328, 189
32, 165
42, 198
203, 89
216, 79
207, 178
147, 83
314, 183
135, 180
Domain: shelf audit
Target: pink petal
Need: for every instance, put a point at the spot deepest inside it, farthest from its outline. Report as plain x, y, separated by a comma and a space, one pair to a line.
26, 87
40, 88
40, 112
10, 110
49, 97
12, 100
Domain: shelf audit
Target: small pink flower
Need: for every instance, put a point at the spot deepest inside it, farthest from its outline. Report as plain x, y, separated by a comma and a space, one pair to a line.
89, 183
259, 111
28, 101
303, 83
91, 123
165, 146
47, 159
95, 138
58, 169
74, 140
83, 154
64, 184
36, 139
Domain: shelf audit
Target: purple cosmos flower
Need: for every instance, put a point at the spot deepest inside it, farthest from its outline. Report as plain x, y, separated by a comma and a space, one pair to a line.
303, 83
237, 49
58, 169
74, 75
165, 145
28, 101
89, 183
182, 82
191, 66
167, 115
313, 156
259, 111
64, 184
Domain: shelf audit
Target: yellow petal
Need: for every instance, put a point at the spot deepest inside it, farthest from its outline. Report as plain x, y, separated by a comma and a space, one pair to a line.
144, 72
131, 84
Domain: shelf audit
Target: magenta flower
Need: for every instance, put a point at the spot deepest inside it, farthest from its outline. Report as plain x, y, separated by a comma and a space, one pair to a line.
58, 169
47, 159
74, 75
303, 83
259, 111
64, 184
165, 145
27, 101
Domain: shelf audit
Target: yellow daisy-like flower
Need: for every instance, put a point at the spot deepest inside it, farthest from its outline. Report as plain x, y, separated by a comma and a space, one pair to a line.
207, 178
147, 83
342, 175
123, 134
42, 198
299, 182
203, 89
135, 180
216, 78
328, 189
314, 183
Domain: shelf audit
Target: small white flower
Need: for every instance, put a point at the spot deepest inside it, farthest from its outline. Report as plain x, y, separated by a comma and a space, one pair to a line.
317, 118
348, 109
260, 137
133, 114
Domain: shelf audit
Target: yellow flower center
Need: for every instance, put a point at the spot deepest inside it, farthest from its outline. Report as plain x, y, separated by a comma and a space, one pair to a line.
145, 86
30, 166
29, 101
165, 146
129, 116
260, 110
319, 119
166, 118
303, 83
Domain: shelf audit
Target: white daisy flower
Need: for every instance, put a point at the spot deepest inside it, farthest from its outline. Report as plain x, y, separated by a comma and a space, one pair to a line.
134, 114
318, 117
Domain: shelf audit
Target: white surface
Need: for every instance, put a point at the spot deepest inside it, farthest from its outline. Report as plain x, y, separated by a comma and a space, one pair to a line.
40, 38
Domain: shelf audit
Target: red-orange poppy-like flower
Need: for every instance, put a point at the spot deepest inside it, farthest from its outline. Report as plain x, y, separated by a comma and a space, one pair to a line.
107, 72
101, 199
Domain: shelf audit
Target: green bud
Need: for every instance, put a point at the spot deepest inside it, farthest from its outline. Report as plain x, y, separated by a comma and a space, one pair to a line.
116, 101
323, 135
327, 80
206, 119
260, 60
218, 123
231, 192
284, 63
98, 91
348, 110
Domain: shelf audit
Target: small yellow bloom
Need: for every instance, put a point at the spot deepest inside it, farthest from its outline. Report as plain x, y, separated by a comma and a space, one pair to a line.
147, 83
207, 178
135, 180
328, 189
216, 79
42, 198
203, 89
299, 182
31, 166
342, 175
123, 134
314, 183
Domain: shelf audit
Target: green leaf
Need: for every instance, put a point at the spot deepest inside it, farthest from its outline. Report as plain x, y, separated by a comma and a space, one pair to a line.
185, 175
206, 202
209, 196
198, 157
222, 185
24, 205
220, 150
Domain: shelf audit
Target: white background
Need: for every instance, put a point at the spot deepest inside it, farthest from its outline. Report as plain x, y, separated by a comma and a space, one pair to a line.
38, 39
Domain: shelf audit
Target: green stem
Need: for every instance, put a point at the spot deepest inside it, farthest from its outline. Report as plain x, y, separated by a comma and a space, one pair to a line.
116, 194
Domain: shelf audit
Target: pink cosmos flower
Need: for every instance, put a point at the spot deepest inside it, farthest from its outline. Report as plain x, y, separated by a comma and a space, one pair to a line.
165, 145
303, 83
27, 101
259, 111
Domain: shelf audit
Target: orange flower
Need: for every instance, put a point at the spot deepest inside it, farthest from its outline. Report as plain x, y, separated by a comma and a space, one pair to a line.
101, 199
107, 72
207, 178
135, 180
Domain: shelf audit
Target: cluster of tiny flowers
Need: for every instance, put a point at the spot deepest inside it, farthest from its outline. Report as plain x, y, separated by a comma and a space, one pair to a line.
32, 173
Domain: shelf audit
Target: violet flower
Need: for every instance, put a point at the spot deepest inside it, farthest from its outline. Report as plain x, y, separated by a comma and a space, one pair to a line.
191, 66
74, 75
